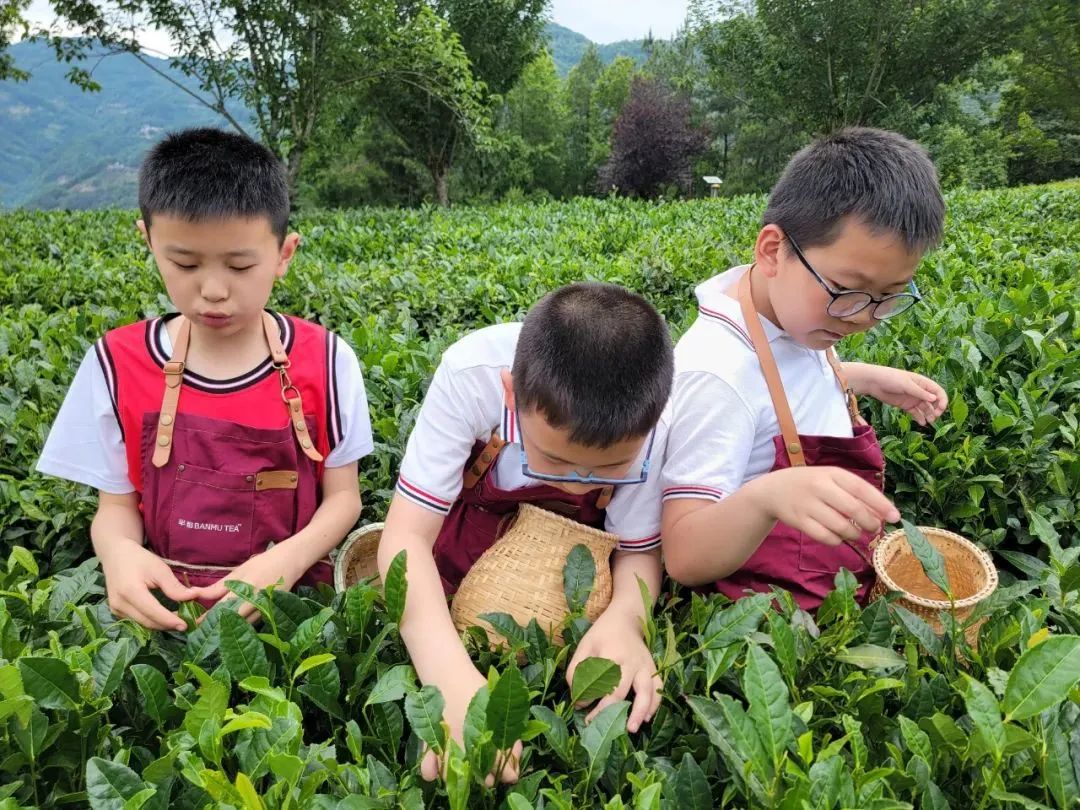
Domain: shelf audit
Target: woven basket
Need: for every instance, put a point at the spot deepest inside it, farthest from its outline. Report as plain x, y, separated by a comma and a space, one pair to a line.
358, 557
522, 573
971, 571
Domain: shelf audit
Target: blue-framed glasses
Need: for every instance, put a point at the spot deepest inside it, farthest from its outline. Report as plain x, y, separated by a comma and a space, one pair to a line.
574, 477
851, 302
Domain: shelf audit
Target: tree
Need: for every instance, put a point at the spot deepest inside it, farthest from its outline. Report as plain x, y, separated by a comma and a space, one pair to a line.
654, 143
12, 25
499, 38
286, 59
580, 84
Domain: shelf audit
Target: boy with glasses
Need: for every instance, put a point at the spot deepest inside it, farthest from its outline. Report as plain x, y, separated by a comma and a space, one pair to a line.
770, 475
560, 411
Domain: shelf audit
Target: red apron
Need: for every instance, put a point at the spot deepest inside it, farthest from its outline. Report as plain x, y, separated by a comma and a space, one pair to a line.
215, 493
786, 557
482, 510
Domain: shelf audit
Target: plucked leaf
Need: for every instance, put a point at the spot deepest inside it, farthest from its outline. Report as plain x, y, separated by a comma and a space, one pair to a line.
594, 678
579, 573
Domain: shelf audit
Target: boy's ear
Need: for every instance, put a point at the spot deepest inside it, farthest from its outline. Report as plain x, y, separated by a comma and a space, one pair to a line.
141, 225
508, 387
770, 242
288, 250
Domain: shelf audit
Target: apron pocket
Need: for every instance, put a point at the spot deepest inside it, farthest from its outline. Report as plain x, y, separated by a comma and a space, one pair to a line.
211, 518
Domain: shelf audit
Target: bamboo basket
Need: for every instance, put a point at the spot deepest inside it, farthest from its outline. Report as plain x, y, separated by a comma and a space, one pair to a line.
522, 573
971, 571
358, 557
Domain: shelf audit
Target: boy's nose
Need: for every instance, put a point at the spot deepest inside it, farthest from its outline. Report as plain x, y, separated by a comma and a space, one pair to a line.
214, 291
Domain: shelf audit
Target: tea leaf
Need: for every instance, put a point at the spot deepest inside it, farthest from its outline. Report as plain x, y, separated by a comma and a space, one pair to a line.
593, 679
557, 735
424, 709
49, 682
154, 692
241, 651
933, 564
110, 663
871, 656
1059, 769
396, 586
736, 622
983, 709
508, 708
109, 785
598, 736
392, 685
311, 662
768, 698
579, 573
691, 787
1042, 677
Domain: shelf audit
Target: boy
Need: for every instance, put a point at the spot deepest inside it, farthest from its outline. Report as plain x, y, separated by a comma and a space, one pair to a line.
771, 477
223, 439
560, 411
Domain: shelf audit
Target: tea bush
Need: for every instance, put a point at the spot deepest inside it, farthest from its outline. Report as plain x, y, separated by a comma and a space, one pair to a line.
319, 707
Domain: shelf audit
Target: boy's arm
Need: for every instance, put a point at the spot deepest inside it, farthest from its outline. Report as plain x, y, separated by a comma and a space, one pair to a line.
130, 569
291, 558
705, 541
920, 396
435, 648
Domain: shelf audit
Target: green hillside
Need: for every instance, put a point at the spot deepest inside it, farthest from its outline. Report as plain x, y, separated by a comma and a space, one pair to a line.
568, 46
65, 148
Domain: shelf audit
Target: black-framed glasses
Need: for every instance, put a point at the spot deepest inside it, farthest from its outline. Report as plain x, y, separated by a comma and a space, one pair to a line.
574, 477
852, 302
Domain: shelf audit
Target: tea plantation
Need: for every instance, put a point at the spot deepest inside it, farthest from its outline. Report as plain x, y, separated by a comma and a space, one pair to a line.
317, 707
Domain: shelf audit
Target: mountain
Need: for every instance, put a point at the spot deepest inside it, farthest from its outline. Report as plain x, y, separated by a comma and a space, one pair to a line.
66, 148
61, 147
567, 48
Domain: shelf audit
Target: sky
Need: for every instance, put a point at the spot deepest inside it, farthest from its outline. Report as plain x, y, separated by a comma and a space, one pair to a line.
605, 21
601, 21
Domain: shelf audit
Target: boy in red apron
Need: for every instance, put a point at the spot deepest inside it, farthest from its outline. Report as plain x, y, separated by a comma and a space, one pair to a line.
561, 412
771, 477
223, 439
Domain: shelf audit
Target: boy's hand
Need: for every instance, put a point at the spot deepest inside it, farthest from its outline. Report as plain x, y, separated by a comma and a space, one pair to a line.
616, 636
131, 572
271, 567
458, 690
920, 396
828, 504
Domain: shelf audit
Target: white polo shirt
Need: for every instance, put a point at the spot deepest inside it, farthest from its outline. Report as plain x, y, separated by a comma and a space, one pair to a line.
465, 403
721, 418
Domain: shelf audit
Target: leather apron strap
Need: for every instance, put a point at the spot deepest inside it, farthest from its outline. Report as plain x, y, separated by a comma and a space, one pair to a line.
792, 443
174, 378
290, 394
482, 463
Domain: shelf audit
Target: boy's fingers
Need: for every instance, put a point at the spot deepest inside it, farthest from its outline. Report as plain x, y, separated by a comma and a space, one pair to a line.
150, 613
872, 498
174, 589
853, 510
644, 691
429, 766
835, 523
815, 531
214, 592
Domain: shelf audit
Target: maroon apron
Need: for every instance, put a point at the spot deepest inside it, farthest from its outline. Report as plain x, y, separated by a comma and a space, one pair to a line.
786, 557
216, 493
482, 512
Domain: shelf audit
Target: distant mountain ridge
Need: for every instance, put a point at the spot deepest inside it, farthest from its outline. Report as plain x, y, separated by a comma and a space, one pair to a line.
61, 147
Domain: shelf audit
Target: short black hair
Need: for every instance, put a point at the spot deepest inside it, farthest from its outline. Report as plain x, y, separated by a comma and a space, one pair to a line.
595, 359
205, 174
878, 177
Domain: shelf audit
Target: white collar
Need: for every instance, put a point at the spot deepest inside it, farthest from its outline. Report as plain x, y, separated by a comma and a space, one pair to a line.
715, 304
